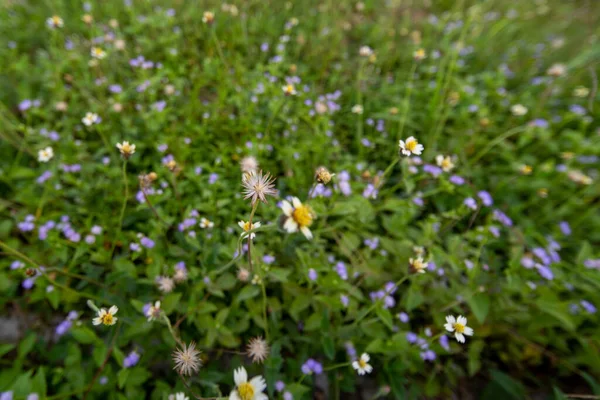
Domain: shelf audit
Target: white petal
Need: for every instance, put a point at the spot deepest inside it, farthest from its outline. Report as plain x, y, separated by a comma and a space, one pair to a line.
261, 396
96, 321
241, 224
287, 208
306, 232
449, 327
460, 338
361, 371
462, 320
296, 202
234, 396
365, 357
450, 319
356, 365
468, 331
369, 368
410, 139
438, 159
406, 152
258, 383
114, 320
157, 304
256, 225
113, 310
240, 376
419, 149
402, 145
290, 226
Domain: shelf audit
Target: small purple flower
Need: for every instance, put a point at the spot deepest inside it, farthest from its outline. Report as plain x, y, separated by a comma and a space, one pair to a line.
288, 396
311, 366
444, 342
565, 228
527, 262
502, 218
340, 268
135, 247
213, 178
63, 327
268, 259
344, 187
469, 264
28, 283
434, 170
471, 203
372, 243
545, 272
486, 198
494, 231
411, 337
147, 242
418, 201
279, 386
159, 105
16, 264
370, 192
403, 317
131, 359
312, 274
115, 88
457, 180
589, 307
539, 123
44, 177
96, 230
344, 299
90, 239
542, 255
428, 355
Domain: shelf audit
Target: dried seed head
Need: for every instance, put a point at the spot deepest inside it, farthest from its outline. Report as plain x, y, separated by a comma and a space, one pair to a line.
257, 349
187, 360
323, 175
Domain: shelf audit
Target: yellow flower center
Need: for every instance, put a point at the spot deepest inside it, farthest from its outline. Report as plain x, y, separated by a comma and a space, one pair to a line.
460, 328
362, 363
56, 20
289, 89
411, 145
246, 391
107, 319
303, 216
247, 226
447, 163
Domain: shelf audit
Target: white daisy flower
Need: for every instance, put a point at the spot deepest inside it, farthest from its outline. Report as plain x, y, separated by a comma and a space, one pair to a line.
126, 149
357, 109
299, 217
154, 311
55, 22
417, 265
365, 51
444, 162
90, 119
518, 110
246, 226
245, 390
459, 327
289, 90
206, 224
362, 365
46, 154
557, 70
208, 17
98, 53
106, 317
411, 146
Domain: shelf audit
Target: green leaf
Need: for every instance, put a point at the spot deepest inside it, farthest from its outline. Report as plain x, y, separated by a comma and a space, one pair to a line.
39, 382
414, 298
280, 274
475, 349
26, 345
385, 316
554, 309
247, 292
512, 388
328, 346
122, 377
5, 348
480, 305
558, 395
84, 335
170, 302
226, 282
299, 304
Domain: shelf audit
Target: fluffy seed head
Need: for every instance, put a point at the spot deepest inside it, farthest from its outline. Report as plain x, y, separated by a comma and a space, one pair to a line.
257, 349
187, 359
258, 186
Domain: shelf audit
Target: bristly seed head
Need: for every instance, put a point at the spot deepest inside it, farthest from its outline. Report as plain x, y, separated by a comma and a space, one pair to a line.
257, 349
258, 186
187, 360
322, 175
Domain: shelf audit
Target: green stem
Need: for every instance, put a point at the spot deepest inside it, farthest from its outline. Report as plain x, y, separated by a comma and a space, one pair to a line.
264, 293
336, 366
406, 104
359, 117
171, 330
275, 114
498, 140
219, 50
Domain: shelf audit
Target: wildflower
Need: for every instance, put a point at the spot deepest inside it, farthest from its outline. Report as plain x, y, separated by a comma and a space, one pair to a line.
126, 149
417, 265
178, 396
187, 359
459, 327
247, 390
131, 360
486, 198
106, 317
257, 349
581, 91
411, 146
55, 22
312, 274
206, 224
579, 177
249, 164
565, 228
322, 175
153, 311
243, 274
444, 162
90, 119
518, 110
247, 226
289, 90
419, 55
46, 154
258, 186
87, 18
557, 70
181, 273
525, 169
365, 51
299, 217
357, 109
362, 365
311, 366
208, 17
98, 53
165, 284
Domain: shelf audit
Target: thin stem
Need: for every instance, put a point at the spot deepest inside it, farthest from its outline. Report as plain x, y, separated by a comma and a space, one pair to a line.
110, 350
336, 366
254, 206
359, 123
264, 293
152, 207
498, 140
275, 114
171, 331
123, 207
407, 95
218, 45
